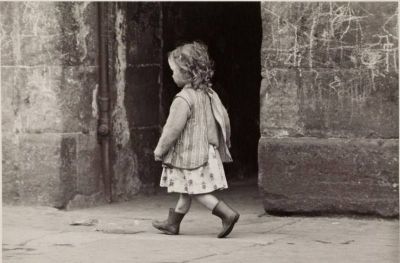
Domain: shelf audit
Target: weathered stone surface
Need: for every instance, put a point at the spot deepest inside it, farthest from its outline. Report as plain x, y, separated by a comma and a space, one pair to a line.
45, 34
88, 162
7, 53
126, 182
79, 25
33, 87
7, 100
136, 104
330, 71
80, 201
144, 142
39, 170
68, 168
68, 93
143, 38
279, 113
348, 103
53, 168
329, 103
49, 86
10, 167
315, 35
76, 93
309, 175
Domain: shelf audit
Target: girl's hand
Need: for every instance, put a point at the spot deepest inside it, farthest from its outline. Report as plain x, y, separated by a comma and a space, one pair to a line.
157, 156
228, 143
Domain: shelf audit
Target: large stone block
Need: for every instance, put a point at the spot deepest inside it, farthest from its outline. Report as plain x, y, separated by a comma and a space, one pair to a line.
50, 99
76, 90
47, 169
329, 103
33, 101
10, 169
309, 175
48, 33
280, 104
144, 142
348, 103
8, 49
7, 99
330, 35
89, 173
68, 169
79, 40
49, 88
50, 169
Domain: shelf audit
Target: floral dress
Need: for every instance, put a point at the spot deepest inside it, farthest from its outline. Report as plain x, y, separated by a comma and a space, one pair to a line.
205, 179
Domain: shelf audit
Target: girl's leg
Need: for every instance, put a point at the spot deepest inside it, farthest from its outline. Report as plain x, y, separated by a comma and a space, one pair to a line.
175, 216
219, 208
208, 200
183, 204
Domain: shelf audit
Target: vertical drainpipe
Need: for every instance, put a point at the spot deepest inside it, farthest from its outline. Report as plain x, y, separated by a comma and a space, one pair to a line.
104, 99
161, 117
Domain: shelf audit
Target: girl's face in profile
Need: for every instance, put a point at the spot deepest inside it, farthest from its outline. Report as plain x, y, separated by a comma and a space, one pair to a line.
177, 74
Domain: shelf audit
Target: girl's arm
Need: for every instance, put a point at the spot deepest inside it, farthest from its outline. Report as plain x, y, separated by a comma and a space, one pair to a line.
178, 115
228, 127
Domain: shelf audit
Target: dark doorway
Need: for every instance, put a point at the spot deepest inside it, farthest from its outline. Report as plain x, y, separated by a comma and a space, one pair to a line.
232, 31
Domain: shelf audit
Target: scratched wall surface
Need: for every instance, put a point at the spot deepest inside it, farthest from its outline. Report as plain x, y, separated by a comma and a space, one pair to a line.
49, 113
330, 71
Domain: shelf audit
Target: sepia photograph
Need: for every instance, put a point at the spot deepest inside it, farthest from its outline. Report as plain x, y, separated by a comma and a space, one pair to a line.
200, 131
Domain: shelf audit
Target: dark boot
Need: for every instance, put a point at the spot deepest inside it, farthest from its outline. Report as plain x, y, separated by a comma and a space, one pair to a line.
171, 225
228, 215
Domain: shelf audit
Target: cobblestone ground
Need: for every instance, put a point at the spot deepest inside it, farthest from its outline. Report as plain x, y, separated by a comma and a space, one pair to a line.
123, 233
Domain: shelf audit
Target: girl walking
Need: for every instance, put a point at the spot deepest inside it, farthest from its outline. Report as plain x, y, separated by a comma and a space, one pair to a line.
194, 141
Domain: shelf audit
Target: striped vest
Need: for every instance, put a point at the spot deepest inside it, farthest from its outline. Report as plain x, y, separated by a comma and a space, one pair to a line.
191, 149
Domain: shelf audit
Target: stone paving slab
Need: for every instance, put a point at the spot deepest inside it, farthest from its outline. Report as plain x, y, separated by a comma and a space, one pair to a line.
42, 234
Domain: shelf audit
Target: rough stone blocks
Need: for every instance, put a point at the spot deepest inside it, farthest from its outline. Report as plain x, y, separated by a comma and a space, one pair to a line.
49, 86
47, 169
329, 108
330, 35
329, 103
50, 169
339, 176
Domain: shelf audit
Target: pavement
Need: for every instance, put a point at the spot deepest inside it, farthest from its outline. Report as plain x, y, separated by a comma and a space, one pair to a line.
122, 232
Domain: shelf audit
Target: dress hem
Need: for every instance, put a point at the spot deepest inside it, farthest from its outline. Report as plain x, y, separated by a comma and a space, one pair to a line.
198, 193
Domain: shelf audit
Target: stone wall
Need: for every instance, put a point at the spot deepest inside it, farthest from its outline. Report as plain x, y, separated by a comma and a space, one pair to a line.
49, 112
328, 119
136, 85
329, 107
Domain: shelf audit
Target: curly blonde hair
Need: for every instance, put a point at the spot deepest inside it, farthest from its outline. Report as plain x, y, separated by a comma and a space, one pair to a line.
194, 63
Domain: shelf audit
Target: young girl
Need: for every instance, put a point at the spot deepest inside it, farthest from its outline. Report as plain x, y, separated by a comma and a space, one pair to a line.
194, 141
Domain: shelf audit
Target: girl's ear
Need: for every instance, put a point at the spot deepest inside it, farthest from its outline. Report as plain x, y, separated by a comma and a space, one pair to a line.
169, 61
